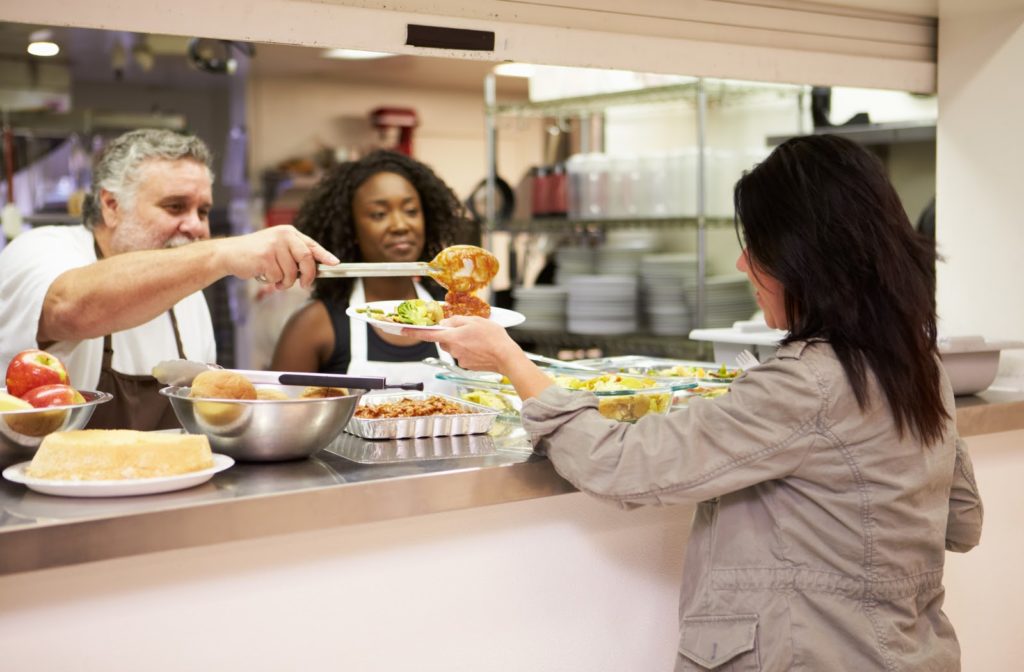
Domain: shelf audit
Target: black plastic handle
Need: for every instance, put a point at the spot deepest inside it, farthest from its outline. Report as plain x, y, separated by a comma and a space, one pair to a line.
344, 380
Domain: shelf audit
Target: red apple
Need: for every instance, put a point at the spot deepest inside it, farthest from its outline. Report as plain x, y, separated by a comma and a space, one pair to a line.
53, 395
34, 368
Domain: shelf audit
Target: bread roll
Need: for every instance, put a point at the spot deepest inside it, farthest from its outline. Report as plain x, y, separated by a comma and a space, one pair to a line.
270, 393
323, 392
221, 384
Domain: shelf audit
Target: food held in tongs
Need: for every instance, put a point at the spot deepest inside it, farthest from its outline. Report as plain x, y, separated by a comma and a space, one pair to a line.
461, 269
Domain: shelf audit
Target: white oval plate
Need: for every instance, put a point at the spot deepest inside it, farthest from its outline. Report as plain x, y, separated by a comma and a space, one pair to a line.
504, 317
116, 488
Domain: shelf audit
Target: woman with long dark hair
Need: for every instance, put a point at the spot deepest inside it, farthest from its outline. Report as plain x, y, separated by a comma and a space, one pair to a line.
830, 479
385, 207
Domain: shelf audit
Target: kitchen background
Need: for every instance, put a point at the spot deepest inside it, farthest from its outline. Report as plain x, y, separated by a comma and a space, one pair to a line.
605, 179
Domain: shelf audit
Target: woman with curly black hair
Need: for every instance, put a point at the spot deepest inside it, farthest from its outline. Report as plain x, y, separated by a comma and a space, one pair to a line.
385, 207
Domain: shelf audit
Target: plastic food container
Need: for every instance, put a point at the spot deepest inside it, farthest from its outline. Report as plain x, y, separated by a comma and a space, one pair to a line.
619, 397
677, 372
971, 362
477, 419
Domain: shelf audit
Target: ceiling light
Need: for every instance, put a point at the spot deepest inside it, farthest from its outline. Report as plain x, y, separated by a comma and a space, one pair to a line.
355, 54
41, 44
515, 69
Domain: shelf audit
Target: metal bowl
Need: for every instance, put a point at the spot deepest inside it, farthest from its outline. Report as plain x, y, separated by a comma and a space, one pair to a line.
21, 432
264, 430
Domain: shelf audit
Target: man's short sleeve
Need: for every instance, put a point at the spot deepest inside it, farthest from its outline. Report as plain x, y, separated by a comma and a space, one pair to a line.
28, 266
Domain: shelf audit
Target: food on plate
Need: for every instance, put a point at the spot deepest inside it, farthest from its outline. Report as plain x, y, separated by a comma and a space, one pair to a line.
270, 394
417, 312
410, 408
460, 303
222, 384
53, 395
117, 454
725, 373
495, 400
34, 368
323, 392
708, 392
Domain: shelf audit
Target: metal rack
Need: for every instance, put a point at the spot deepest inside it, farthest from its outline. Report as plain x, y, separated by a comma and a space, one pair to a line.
699, 92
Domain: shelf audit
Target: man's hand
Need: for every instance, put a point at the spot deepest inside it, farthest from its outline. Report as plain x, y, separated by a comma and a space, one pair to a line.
278, 255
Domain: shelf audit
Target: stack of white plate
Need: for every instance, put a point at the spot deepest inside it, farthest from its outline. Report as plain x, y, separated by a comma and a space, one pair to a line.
573, 261
543, 305
623, 259
728, 299
667, 281
602, 304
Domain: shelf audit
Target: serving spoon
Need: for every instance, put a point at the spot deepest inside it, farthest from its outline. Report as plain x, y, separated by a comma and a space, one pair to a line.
459, 268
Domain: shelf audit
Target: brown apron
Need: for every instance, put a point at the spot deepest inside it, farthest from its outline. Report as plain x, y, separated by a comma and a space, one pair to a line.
137, 402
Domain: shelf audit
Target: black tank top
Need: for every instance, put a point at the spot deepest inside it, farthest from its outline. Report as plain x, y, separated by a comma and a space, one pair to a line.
377, 348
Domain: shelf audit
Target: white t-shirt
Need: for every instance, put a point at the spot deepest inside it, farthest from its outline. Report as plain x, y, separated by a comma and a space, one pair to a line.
30, 264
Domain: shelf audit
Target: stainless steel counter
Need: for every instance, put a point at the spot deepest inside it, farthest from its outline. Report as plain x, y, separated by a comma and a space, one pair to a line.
378, 480
353, 481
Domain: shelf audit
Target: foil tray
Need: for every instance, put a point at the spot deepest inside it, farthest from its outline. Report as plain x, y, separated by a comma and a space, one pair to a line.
476, 420
406, 450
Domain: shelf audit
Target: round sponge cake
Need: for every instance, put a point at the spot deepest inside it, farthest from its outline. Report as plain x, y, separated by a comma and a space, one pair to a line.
116, 454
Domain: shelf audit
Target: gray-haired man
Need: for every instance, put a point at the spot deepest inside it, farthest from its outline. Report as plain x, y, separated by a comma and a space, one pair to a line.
122, 292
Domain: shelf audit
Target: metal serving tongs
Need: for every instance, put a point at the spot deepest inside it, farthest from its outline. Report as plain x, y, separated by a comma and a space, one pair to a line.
460, 268
182, 372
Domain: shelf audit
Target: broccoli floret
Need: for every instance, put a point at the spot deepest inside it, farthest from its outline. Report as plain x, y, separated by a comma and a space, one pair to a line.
419, 312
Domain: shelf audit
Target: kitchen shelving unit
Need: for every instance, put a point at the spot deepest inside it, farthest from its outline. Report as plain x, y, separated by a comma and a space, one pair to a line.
703, 95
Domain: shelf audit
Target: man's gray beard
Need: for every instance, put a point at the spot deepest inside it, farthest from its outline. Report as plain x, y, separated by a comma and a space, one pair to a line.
178, 240
132, 236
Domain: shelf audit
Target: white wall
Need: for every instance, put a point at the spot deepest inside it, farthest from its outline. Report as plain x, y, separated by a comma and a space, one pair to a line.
979, 216
292, 117
550, 585
984, 591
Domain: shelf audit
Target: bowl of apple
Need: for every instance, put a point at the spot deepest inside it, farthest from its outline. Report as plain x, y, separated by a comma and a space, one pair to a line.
37, 400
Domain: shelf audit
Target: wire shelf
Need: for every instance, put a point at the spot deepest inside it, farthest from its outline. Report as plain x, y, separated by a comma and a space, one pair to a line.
563, 225
718, 92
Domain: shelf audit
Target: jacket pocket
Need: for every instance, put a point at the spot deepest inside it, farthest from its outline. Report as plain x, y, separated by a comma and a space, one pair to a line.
720, 643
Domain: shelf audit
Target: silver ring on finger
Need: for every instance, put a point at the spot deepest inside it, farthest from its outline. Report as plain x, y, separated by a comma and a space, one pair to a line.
261, 278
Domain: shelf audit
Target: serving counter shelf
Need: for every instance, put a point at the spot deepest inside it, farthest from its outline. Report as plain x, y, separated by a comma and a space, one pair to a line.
376, 482
253, 500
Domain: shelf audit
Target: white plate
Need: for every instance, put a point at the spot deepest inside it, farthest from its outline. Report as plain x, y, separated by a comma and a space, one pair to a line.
504, 317
116, 488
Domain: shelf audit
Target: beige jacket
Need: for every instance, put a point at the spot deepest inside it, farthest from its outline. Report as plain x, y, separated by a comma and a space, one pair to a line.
819, 540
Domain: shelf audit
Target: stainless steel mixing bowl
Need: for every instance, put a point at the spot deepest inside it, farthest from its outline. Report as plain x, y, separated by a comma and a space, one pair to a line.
265, 430
21, 432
